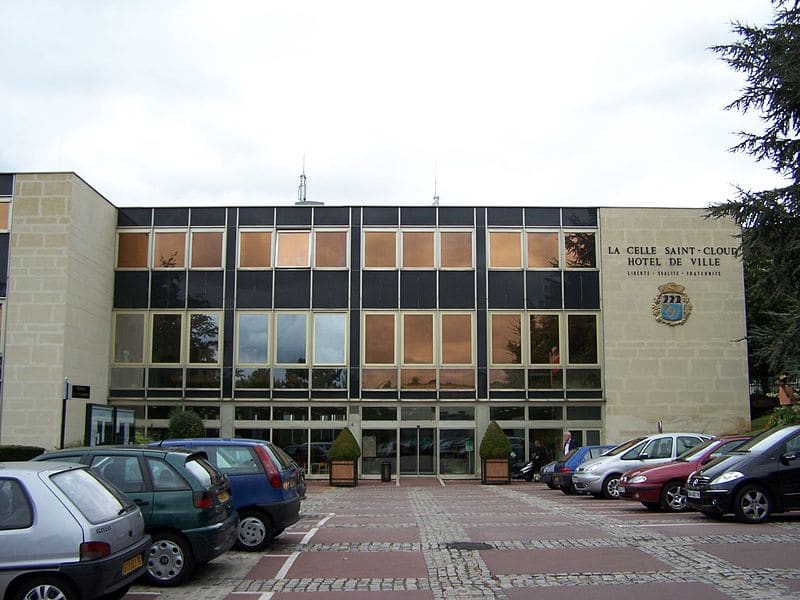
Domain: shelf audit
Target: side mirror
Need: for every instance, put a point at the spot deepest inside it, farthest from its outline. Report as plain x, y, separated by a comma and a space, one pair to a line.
789, 456
644, 456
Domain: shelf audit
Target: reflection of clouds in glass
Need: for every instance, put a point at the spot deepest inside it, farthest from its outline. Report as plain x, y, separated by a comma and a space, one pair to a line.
291, 345
253, 338
329, 339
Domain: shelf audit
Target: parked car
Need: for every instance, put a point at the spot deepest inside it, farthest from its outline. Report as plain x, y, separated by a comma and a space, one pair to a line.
66, 534
661, 486
546, 474
563, 469
757, 479
186, 503
267, 485
600, 476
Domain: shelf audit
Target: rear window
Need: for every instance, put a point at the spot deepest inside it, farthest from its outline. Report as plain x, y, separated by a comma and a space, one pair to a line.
280, 456
94, 500
204, 471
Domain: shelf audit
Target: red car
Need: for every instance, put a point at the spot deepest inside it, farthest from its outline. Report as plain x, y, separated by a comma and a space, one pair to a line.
661, 486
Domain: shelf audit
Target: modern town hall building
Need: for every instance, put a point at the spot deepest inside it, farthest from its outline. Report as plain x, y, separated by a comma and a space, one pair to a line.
414, 326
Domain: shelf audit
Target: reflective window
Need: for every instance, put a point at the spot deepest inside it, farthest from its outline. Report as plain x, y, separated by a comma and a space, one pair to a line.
380, 249
207, 250
252, 413
417, 413
583, 413
378, 413
132, 250
545, 379
330, 249
129, 339
328, 413
329, 379
418, 249
255, 249
544, 340
418, 339
457, 379
507, 379
582, 338
203, 338
379, 339
457, 413
543, 250
418, 379
166, 338
290, 378
253, 338
506, 339
293, 249
203, 379
127, 378
291, 339
505, 250
4, 207
379, 379
507, 413
545, 413
251, 378
583, 379
456, 339
456, 249
457, 451
329, 339
579, 250
170, 251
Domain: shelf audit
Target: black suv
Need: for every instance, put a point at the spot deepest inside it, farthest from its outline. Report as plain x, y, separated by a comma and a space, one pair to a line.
757, 479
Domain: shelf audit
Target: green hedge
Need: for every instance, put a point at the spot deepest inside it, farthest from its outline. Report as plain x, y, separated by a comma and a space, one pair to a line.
9, 453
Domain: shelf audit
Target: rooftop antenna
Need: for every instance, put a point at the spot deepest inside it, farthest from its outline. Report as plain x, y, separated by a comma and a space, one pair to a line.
303, 187
435, 185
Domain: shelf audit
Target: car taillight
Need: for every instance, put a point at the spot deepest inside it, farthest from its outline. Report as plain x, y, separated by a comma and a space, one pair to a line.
94, 550
566, 470
273, 476
203, 499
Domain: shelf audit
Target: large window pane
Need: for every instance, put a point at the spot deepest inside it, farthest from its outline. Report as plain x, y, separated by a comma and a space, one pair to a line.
457, 379
329, 339
378, 446
456, 249
507, 413
507, 379
132, 250
418, 339
251, 378
329, 379
418, 249
456, 339
579, 250
379, 339
457, 413
294, 442
504, 250
204, 338
203, 378
321, 441
166, 339
506, 339
255, 248
4, 209
293, 248
330, 249
418, 379
253, 339
290, 378
129, 339
543, 250
380, 249
207, 250
582, 331
170, 251
457, 451
379, 379
291, 339
544, 339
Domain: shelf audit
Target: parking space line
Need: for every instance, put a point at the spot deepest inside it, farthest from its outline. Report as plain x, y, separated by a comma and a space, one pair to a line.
315, 529
285, 568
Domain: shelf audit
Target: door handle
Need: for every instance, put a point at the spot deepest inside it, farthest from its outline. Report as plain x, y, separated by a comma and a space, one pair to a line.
139, 502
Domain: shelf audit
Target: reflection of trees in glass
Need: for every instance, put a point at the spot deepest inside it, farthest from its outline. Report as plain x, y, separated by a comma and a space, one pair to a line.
252, 378
579, 249
544, 339
328, 379
582, 339
290, 378
511, 379
204, 339
168, 262
166, 339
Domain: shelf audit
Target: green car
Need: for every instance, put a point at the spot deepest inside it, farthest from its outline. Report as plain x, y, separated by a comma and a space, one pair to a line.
186, 503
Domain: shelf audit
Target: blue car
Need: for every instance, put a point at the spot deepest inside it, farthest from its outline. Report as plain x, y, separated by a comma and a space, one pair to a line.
563, 469
267, 485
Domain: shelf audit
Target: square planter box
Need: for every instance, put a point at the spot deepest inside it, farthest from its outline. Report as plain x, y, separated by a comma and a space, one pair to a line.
343, 473
495, 471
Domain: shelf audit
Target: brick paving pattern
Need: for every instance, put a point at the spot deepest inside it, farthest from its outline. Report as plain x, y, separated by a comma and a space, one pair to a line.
425, 540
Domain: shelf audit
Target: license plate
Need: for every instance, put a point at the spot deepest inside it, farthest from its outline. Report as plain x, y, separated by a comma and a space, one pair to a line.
223, 496
130, 565
692, 494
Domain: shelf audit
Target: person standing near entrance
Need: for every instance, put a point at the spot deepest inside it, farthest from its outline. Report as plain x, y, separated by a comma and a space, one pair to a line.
786, 393
569, 443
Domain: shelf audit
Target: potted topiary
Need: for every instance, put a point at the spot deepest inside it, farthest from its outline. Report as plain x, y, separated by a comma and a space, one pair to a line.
494, 452
343, 458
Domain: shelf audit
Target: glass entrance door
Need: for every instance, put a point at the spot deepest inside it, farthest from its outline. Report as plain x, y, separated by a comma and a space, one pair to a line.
417, 451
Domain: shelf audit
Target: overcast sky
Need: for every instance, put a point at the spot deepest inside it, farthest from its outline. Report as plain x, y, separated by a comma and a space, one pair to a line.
517, 103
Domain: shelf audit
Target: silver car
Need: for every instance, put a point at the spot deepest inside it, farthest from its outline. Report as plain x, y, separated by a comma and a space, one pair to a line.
66, 535
600, 476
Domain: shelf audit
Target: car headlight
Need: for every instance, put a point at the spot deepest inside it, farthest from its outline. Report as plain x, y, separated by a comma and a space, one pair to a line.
638, 479
726, 477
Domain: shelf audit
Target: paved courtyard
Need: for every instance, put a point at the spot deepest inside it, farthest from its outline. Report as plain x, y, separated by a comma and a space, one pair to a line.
425, 540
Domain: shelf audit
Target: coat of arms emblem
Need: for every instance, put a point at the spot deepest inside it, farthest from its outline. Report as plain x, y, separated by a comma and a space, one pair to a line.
672, 305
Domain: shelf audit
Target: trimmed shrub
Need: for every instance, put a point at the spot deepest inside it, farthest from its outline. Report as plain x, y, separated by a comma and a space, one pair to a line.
185, 424
495, 443
344, 447
9, 453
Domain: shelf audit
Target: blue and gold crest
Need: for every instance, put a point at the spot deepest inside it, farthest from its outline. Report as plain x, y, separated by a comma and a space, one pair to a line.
672, 305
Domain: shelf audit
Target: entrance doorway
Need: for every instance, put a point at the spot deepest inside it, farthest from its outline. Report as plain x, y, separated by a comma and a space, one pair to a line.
418, 451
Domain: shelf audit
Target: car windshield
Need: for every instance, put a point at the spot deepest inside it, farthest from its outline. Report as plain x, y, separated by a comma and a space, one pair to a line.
95, 501
763, 441
693, 453
624, 446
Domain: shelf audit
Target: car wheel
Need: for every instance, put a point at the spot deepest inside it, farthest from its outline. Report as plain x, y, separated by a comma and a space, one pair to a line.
752, 504
255, 531
610, 486
44, 587
170, 560
673, 499
651, 505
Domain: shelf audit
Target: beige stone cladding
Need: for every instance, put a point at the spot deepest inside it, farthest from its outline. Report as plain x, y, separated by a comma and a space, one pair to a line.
60, 291
692, 376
